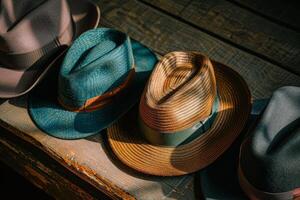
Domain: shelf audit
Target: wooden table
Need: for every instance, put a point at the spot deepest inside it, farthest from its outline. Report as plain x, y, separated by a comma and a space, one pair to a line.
258, 40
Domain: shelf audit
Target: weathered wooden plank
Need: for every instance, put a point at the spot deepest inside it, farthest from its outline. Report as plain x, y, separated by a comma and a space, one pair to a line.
10, 180
163, 34
41, 174
174, 6
283, 12
241, 28
90, 159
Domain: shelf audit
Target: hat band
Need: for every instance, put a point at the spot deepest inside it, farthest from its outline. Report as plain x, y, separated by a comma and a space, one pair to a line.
183, 136
103, 100
254, 193
25, 60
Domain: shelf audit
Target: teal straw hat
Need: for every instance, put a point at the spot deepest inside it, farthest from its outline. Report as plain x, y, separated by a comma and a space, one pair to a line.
101, 77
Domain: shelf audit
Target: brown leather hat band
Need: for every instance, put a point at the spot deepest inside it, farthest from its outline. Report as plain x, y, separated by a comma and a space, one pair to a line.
98, 102
254, 193
26, 60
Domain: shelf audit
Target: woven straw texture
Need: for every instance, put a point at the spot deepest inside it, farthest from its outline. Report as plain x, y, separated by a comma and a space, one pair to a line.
98, 62
180, 92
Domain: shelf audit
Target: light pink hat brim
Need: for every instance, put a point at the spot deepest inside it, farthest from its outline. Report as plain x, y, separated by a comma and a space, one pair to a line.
14, 83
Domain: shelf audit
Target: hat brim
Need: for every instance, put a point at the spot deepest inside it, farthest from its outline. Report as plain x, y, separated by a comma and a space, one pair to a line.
53, 119
220, 180
14, 83
234, 108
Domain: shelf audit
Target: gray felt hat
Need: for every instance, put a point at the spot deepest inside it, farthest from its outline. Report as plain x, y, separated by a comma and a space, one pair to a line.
265, 165
269, 166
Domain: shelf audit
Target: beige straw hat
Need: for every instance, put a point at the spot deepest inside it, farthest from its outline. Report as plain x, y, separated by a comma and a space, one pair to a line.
191, 111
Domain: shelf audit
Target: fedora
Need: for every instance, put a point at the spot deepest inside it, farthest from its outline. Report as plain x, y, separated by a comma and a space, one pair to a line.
264, 163
219, 180
270, 157
191, 111
101, 77
33, 33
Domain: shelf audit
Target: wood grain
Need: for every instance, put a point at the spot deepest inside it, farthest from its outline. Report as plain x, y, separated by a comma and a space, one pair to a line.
176, 7
163, 34
90, 159
282, 12
43, 173
240, 28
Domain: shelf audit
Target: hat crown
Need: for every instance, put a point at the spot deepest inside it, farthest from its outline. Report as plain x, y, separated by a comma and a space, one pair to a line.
281, 113
180, 92
273, 148
28, 25
31, 32
97, 62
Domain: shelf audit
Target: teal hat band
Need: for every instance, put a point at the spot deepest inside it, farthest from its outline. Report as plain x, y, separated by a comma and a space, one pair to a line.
181, 137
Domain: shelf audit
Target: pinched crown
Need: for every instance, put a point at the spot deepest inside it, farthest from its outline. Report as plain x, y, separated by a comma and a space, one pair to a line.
180, 92
96, 65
